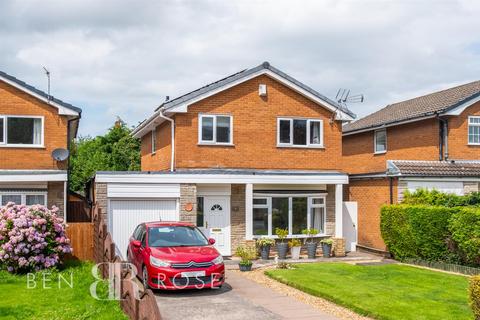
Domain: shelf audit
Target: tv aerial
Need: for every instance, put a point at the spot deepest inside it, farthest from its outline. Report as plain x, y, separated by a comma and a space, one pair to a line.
343, 97
60, 154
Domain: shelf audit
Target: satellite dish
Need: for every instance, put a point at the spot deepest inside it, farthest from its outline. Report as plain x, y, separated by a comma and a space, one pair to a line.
60, 154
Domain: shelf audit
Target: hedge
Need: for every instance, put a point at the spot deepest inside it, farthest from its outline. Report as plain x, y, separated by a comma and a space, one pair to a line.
474, 296
437, 198
417, 231
465, 230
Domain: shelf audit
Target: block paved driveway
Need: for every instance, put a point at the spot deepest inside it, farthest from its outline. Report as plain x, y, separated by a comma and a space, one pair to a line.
239, 298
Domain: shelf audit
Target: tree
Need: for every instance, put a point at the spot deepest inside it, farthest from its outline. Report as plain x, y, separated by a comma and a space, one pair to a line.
117, 150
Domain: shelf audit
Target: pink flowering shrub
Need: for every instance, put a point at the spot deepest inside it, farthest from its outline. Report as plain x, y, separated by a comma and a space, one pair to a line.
31, 238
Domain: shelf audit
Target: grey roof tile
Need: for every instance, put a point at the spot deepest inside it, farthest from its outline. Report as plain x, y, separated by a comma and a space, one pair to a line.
419, 107
435, 168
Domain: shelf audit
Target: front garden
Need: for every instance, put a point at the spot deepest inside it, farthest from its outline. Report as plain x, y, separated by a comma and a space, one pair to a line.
383, 291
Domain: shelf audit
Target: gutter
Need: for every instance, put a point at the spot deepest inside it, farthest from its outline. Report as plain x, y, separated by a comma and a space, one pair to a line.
172, 125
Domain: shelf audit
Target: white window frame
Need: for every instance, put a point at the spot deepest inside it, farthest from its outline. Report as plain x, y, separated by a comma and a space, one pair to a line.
290, 196
375, 141
291, 144
154, 140
214, 141
468, 130
19, 145
23, 195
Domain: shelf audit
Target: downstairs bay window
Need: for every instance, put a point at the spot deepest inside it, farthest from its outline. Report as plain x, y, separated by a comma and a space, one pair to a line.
28, 198
294, 212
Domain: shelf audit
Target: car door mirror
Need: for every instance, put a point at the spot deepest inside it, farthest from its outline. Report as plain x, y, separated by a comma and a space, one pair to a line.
211, 241
136, 243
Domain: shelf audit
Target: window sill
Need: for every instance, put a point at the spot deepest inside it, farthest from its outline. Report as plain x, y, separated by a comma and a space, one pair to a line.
300, 147
27, 146
380, 152
294, 236
213, 144
473, 144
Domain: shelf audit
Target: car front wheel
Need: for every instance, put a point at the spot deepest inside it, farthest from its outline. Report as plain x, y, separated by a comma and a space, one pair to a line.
145, 278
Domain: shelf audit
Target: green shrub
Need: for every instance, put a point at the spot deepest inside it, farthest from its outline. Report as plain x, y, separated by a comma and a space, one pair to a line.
437, 198
465, 230
474, 296
417, 231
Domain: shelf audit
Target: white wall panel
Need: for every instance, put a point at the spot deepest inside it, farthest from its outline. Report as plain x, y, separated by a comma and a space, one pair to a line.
143, 190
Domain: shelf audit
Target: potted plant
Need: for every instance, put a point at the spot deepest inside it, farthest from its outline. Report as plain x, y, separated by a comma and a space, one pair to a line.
311, 245
326, 247
265, 244
246, 254
295, 246
282, 246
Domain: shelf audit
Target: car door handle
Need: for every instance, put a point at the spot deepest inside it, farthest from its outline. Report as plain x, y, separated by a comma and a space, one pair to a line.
206, 224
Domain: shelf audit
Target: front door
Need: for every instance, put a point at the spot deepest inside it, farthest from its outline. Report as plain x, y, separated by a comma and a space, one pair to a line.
217, 222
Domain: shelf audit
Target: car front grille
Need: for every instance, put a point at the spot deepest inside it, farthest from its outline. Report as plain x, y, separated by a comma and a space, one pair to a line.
184, 281
191, 265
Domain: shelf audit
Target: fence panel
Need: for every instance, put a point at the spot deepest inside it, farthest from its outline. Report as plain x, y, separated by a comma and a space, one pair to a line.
81, 240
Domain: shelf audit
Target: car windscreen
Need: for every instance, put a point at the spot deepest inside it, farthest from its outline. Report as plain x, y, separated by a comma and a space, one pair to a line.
175, 236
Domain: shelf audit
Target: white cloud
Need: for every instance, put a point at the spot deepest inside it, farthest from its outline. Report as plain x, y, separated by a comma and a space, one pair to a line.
123, 57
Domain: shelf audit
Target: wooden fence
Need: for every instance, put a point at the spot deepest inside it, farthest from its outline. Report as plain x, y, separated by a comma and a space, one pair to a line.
141, 306
81, 239
78, 211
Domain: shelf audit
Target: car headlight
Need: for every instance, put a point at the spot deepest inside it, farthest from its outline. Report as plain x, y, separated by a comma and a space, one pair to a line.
218, 260
158, 263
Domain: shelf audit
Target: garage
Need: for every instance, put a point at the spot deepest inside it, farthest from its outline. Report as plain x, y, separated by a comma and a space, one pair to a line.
130, 205
127, 214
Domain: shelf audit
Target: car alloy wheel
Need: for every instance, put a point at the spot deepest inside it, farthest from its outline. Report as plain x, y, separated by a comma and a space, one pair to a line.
145, 278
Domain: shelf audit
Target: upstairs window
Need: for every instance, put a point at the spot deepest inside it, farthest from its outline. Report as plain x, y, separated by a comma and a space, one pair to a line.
474, 130
299, 133
19, 131
380, 141
154, 140
215, 129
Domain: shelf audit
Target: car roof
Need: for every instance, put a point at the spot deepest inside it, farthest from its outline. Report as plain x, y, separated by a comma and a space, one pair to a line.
167, 223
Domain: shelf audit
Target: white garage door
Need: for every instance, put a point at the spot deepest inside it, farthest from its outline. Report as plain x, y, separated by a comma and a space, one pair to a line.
125, 215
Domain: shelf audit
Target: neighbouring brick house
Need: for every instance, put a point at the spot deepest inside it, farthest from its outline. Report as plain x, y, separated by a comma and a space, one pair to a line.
239, 157
33, 125
432, 141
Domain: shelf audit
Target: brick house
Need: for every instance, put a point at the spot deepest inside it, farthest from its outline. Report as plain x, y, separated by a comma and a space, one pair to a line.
432, 142
33, 125
239, 157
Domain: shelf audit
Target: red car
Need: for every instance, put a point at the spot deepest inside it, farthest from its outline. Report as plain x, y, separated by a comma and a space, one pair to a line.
175, 255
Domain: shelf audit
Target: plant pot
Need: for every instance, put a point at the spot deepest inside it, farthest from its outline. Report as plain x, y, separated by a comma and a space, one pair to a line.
265, 252
311, 250
245, 267
296, 253
282, 249
327, 249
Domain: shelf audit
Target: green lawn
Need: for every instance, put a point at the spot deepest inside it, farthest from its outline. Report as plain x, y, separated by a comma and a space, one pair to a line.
383, 292
19, 302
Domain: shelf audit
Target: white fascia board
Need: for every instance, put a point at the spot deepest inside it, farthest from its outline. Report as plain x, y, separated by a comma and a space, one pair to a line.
40, 177
222, 178
64, 111
459, 109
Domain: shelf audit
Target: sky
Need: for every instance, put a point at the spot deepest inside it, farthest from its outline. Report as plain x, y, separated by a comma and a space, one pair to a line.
121, 58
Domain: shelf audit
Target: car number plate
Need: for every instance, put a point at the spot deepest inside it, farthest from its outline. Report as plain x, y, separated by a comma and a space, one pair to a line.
192, 274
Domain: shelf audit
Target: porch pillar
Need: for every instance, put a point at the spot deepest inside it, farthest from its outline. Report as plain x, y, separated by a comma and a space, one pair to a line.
339, 211
248, 211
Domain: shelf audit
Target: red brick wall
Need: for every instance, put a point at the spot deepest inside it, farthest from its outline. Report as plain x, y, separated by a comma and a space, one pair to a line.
458, 147
371, 195
16, 102
160, 160
254, 132
413, 141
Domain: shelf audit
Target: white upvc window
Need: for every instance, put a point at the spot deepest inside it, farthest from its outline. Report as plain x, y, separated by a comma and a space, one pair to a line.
23, 197
215, 129
154, 140
474, 130
299, 133
380, 141
21, 131
294, 212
